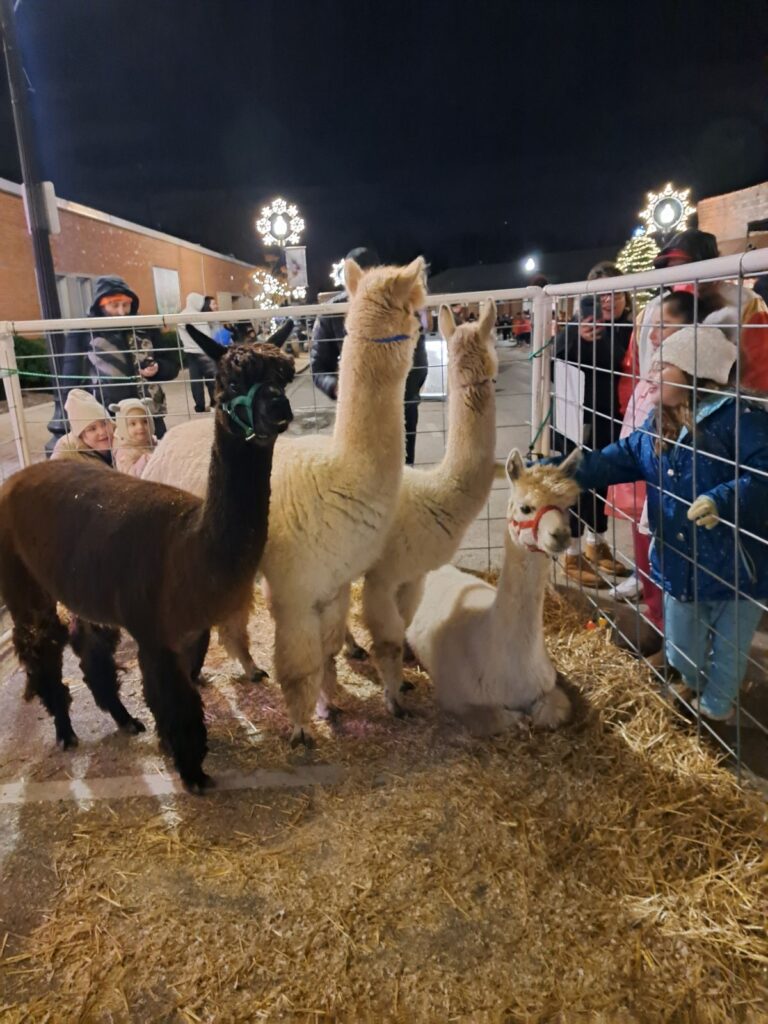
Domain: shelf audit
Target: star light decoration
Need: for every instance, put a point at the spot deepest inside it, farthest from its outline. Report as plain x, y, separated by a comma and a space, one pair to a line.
280, 223
667, 211
337, 274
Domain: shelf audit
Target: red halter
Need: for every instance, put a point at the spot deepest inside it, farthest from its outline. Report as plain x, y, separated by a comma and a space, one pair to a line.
533, 525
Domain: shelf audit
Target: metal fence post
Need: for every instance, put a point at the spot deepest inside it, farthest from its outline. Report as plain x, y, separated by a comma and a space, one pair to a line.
13, 393
541, 398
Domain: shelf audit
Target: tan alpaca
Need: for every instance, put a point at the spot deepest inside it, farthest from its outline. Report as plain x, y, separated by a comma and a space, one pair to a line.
332, 498
483, 646
436, 506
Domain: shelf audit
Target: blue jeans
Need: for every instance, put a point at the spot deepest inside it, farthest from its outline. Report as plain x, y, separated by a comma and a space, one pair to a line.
701, 643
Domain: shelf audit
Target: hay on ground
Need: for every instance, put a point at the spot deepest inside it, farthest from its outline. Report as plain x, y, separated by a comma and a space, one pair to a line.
612, 872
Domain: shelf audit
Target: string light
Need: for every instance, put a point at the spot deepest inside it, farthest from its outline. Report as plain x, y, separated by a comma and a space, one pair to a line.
280, 223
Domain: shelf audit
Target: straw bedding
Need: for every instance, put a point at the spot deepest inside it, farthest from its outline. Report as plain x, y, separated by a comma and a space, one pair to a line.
612, 872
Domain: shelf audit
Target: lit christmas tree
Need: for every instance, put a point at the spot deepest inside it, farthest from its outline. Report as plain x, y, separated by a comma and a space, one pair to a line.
636, 256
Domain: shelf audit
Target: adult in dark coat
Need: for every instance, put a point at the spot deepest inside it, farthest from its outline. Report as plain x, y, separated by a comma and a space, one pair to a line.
325, 354
115, 364
593, 348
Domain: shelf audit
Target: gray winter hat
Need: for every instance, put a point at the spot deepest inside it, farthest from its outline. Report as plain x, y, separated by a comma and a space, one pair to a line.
703, 352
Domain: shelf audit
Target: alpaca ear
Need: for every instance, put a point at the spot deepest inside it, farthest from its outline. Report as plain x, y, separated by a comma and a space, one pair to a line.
488, 317
281, 335
208, 345
412, 282
352, 274
446, 322
570, 465
515, 465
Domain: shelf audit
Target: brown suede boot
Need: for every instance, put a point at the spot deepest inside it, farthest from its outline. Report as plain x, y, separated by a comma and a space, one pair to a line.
601, 557
578, 569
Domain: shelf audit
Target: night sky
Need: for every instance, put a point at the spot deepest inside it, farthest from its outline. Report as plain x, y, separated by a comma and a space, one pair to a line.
473, 131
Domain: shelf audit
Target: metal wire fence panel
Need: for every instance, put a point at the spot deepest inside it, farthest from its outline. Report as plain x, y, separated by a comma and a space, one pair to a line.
670, 385
585, 372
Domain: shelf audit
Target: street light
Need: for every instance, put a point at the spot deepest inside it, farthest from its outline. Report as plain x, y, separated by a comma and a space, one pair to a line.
530, 264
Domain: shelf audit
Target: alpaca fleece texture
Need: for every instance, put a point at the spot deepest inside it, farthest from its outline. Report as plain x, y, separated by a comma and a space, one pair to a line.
483, 646
436, 506
332, 498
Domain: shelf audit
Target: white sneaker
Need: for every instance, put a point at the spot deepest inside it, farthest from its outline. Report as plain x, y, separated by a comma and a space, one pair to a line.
627, 590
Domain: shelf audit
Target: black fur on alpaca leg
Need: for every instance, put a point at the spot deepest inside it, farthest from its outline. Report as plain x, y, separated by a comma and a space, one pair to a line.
95, 645
39, 647
195, 652
178, 710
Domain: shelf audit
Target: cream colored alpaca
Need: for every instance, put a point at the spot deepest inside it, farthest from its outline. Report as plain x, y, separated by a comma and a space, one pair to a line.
332, 498
483, 646
436, 506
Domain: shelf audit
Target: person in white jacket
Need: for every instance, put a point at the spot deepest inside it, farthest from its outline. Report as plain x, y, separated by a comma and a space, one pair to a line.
202, 368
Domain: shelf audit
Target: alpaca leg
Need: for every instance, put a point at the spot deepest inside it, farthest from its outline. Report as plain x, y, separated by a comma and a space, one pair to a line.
95, 646
333, 625
552, 709
352, 648
381, 616
178, 710
408, 600
233, 637
195, 651
39, 641
299, 667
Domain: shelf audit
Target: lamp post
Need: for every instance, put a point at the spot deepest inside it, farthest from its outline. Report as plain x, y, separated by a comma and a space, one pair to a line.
39, 228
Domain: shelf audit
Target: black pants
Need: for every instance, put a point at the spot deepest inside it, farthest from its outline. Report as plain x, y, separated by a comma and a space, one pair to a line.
413, 385
202, 371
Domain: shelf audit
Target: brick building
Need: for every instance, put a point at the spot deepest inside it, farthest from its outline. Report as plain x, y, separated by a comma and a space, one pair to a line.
161, 269
727, 217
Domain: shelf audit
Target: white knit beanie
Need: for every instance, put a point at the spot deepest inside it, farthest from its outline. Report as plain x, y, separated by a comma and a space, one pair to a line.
82, 410
702, 352
129, 407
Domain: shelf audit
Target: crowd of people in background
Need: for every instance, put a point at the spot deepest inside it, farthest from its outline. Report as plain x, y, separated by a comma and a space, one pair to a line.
676, 433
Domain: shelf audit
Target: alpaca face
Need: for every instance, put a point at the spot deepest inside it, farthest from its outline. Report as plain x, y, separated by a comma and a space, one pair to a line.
383, 303
250, 388
537, 513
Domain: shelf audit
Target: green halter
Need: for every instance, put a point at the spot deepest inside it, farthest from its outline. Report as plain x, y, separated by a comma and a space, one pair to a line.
231, 407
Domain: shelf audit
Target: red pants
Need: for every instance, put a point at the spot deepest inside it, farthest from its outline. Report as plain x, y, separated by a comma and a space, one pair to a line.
652, 595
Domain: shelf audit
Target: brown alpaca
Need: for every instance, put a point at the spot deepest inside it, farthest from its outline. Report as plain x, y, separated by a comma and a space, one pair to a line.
162, 563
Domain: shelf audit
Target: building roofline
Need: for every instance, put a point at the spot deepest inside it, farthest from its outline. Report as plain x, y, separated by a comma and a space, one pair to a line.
14, 188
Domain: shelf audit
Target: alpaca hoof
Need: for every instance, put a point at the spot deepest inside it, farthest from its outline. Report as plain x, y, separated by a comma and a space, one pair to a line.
396, 709
133, 727
406, 686
257, 675
198, 783
301, 737
67, 740
356, 653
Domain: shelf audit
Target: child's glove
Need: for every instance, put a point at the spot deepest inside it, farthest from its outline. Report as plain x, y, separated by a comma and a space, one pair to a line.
704, 512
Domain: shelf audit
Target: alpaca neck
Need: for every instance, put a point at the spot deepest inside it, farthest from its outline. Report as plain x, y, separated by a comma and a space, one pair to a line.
368, 418
233, 521
521, 586
471, 437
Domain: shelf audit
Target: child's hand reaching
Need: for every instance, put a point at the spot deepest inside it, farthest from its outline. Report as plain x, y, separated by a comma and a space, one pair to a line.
704, 512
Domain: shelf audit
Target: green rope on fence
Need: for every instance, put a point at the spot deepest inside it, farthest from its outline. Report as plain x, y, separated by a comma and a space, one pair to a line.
537, 353
61, 376
540, 431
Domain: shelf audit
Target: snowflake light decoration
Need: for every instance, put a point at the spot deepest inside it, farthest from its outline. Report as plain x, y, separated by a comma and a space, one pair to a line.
280, 223
299, 294
337, 273
268, 291
667, 211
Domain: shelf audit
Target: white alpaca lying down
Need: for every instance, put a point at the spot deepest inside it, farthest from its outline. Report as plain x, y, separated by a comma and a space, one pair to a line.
483, 646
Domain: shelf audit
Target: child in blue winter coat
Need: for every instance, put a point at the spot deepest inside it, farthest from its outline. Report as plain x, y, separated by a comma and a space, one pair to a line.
704, 457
